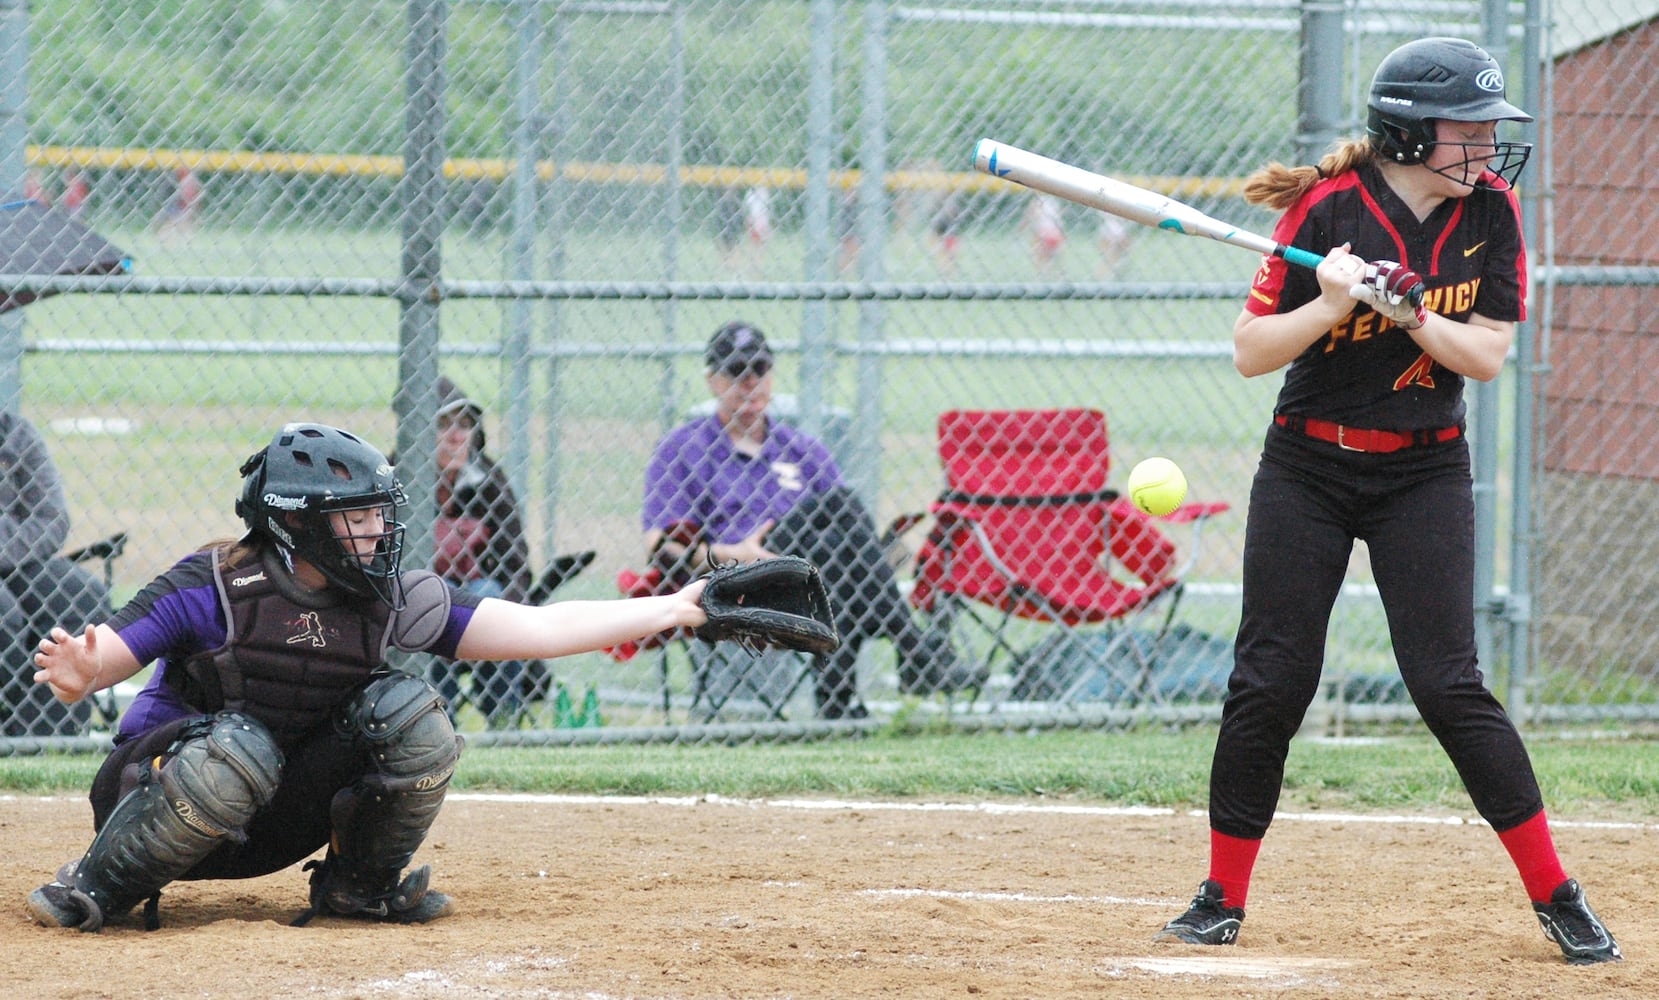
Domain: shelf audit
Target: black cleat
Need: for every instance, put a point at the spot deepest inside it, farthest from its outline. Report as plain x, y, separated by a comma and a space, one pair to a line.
1207, 921
410, 901
59, 904
1570, 923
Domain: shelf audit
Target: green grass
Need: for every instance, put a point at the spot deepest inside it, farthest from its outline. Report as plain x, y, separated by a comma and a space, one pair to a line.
1583, 776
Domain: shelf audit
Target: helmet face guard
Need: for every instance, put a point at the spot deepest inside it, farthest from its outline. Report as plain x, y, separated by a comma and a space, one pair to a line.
363, 556
302, 491
1444, 79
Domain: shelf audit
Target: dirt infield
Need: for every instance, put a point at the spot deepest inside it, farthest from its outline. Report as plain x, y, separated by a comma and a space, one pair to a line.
604, 898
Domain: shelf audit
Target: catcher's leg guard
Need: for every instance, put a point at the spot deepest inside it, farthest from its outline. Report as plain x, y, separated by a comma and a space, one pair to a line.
379, 820
219, 773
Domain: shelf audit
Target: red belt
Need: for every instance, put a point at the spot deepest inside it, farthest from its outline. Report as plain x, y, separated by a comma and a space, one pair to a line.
1360, 439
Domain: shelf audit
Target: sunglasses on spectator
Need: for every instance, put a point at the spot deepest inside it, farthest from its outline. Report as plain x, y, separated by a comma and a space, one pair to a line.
737, 369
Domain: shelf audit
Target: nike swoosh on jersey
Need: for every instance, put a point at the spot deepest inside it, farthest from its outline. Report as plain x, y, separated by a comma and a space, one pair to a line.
1471, 251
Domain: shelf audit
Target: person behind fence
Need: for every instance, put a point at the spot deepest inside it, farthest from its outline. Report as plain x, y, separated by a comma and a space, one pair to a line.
480, 547
755, 487
42, 588
1367, 442
270, 728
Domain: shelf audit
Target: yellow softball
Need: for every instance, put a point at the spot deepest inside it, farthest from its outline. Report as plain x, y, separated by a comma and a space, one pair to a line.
1157, 486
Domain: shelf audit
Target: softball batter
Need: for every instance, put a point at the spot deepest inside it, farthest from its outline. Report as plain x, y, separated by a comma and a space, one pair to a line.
1367, 442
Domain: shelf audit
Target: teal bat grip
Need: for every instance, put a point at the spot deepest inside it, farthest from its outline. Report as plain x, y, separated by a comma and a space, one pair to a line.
1298, 256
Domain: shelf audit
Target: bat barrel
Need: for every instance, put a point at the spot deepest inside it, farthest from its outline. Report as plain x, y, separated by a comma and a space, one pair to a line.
1109, 195
1074, 184
1136, 204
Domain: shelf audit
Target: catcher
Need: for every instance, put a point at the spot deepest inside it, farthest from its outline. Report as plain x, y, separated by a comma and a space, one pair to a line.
271, 728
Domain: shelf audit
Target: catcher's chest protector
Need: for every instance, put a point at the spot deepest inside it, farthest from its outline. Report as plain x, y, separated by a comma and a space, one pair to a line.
290, 655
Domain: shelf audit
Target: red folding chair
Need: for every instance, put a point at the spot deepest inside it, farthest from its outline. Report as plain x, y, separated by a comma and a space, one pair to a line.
1027, 528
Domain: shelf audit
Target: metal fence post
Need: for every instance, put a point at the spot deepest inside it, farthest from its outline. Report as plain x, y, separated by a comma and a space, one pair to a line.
1485, 418
865, 443
820, 105
1530, 368
1319, 117
14, 139
421, 204
521, 247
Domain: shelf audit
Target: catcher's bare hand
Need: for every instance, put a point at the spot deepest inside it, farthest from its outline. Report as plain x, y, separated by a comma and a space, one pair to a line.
68, 664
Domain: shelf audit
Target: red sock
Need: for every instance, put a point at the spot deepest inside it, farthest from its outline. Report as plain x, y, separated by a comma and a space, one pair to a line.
1530, 847
1231, 861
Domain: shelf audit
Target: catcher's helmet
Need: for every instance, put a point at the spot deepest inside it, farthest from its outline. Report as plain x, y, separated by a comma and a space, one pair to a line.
309, 471
1435, 79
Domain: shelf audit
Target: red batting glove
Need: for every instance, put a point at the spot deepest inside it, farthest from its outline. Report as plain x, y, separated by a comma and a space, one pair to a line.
1395, 291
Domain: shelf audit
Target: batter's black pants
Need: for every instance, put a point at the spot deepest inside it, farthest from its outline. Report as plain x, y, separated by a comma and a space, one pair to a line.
1414, 509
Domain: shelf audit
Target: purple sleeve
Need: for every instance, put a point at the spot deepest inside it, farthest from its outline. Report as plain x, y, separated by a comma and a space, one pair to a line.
462, 604
176, 615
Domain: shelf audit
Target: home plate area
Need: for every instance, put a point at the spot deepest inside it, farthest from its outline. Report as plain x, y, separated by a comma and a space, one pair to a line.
703, 897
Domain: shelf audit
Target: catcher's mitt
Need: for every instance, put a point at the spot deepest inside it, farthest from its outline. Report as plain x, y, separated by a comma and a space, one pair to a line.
773, 602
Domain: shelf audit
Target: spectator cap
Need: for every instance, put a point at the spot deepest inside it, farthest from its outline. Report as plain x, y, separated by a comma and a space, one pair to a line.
738, 346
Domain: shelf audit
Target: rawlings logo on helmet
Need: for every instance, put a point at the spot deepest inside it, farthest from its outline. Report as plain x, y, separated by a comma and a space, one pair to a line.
1490, 80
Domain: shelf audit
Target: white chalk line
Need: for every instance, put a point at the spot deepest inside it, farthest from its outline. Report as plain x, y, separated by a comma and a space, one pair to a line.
986, 808
1284, 968
1001, 809
1020, 897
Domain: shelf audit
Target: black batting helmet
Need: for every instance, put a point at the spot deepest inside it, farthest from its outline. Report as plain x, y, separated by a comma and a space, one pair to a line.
1434, 79
309, 471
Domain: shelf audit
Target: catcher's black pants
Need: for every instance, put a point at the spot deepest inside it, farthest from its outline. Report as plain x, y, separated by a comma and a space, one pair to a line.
1414, 509
294, 826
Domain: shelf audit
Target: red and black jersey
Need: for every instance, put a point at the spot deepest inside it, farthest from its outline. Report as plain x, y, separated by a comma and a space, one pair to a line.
1366, 372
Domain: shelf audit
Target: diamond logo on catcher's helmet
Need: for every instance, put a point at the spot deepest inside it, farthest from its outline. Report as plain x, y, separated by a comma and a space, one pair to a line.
276, 502
1490, 80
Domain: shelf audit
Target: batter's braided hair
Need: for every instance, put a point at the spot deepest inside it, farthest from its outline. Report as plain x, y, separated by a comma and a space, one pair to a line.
1278, 186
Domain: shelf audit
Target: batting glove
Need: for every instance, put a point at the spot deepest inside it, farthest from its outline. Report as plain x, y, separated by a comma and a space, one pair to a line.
1395, 291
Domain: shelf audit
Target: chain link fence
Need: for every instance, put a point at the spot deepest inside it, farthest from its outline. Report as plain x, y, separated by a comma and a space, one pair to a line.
553, 204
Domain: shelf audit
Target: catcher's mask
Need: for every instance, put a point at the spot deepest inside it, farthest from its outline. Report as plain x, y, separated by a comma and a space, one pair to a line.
310, 471
1434, 79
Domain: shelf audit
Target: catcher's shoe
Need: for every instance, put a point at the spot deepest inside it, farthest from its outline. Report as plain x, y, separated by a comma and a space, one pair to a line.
1570, 923
59, 904
1207, 921
409, 902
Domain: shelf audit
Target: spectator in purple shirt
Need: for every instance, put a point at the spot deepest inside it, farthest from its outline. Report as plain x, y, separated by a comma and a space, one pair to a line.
739, 486
271, 727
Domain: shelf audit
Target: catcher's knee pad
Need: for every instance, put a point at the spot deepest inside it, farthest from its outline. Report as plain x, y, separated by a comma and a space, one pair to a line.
381, 819
220, 772
400, 722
